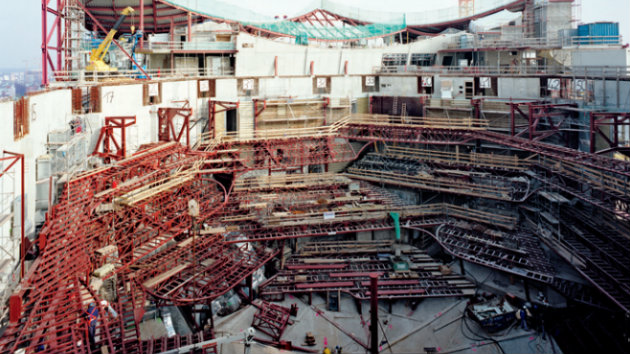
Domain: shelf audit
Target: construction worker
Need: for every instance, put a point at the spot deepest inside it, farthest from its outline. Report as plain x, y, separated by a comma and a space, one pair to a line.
326, 351
523, 316
92, 317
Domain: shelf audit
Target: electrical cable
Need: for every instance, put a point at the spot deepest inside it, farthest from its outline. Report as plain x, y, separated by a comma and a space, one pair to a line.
386, 339
479, 335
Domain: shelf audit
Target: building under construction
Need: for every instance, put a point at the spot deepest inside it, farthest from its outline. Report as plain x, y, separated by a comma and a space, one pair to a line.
452, 180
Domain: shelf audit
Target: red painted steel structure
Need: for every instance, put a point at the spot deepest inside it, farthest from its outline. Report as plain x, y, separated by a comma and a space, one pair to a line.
60, 30
140, 206
374, 313
271, 319
107, 138
157, 16
216, 107
167, 122
12, 159
536, 113
615, 120
55, 8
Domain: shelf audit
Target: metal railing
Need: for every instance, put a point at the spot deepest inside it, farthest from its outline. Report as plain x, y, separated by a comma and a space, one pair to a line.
194, 45
477, 41
86, 76
590, 72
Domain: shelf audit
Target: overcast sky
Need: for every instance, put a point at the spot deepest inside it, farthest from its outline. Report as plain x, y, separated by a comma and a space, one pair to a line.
20, 22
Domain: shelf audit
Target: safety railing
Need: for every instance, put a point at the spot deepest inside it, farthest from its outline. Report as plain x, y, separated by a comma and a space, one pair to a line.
87, 76
195, 45
589, 72
478, 41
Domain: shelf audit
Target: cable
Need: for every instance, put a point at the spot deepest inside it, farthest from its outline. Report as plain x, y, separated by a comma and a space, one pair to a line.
385, 335
480, 336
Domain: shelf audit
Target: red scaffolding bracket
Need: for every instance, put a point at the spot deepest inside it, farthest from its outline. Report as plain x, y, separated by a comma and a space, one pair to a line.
215, 107
166, 124
537, 112
259, 107
13, 158
610, 119
47, 36
107, 138
272, 319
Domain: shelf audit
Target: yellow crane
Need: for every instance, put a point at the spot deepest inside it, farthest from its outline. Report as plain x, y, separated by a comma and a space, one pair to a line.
96, 58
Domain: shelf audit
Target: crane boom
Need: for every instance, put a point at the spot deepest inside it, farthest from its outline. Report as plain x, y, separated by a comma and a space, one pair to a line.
96, 58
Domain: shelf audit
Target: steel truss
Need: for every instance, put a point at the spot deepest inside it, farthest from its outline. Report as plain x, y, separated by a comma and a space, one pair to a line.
140, 208
107, 138
167, 123
342, 273
615, 120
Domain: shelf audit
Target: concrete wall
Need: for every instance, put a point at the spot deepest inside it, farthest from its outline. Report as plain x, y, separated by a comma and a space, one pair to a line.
612, 94
519, 87
47, 111
256, 57
398, 86
558, 18
599, 57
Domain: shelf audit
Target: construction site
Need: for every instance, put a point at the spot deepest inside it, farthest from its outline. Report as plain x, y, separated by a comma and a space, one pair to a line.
195, 177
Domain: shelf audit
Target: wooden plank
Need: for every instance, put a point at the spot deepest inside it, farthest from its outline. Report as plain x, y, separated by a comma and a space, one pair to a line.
164, 276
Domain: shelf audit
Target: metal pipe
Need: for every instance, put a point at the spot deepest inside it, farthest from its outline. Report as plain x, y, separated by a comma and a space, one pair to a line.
22, 249
374, 313
142, 23
44, 43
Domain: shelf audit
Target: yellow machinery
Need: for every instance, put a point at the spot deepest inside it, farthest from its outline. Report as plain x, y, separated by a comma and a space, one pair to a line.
96, 58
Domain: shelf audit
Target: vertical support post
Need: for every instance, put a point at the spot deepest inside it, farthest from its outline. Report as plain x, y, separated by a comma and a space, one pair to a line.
22, 248
172, 32
592, 132
60, 14
526, 286
187, 127
142, 23
512, 120
211, 315
374, 313
250, 286
275, 66
189, 39
531, 120
255, 115
345, 68
312, 67
123, 143
44, 43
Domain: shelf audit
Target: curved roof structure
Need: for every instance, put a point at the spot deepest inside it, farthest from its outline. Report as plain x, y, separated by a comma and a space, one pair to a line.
326, 20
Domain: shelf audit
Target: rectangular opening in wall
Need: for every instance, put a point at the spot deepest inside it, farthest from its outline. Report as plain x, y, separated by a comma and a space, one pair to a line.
394, 59
77, 100
95, 99
231, 122
370, 83
20, 118
206, 88
247, 87
422, 59
152, 93
321, 85
469, 89
425, 84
